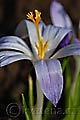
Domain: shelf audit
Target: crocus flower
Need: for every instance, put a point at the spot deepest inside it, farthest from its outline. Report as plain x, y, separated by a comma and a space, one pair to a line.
60, 18
44, 40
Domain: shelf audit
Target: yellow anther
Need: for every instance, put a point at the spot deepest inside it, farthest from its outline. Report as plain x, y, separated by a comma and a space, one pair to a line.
40, 45
35, 19
30, 16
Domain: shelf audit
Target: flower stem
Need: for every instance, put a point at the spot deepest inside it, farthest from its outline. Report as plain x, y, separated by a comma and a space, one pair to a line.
31, 98
39, 104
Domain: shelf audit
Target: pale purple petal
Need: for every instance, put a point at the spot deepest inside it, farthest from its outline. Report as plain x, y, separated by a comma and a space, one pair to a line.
49, 75
7, 57
59, 16
21, 30
72, 49
33, 34
66, 39
54, 35
76, 40
15, 43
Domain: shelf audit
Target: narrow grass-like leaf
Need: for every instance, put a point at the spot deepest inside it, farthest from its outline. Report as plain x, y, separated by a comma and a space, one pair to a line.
67, 82
77, 116
26, 109
64, 64
73, 107
47, 111
76, 95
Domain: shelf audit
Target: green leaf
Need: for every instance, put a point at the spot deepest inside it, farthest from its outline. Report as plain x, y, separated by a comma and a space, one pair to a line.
26, 109
73, 108
64, 64
76, 95
47, 111
77, 116
67, 81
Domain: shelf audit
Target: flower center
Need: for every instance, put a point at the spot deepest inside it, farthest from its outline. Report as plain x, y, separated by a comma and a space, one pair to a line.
40, 45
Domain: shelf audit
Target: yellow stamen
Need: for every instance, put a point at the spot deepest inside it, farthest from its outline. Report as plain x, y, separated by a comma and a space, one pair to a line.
30, 16
40, 45
35, 19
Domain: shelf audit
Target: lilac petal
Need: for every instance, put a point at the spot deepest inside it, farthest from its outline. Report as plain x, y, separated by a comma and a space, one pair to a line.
66, 39
21, 30
59, 16
54, 35
49, 74
7, 57
72, 49
33, 35
15, 43
76, 40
